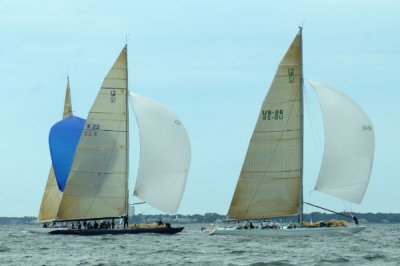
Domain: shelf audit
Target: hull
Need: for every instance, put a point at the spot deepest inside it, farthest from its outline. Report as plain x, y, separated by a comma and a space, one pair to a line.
284, 232
44, 230
95, 232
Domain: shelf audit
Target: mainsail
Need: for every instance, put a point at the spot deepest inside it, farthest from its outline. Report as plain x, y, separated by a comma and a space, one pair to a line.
52, 195
270, 180
97, 183
164, 155
349, 146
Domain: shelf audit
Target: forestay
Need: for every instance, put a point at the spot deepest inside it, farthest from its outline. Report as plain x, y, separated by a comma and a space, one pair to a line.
164, 155
270, 180
349, 146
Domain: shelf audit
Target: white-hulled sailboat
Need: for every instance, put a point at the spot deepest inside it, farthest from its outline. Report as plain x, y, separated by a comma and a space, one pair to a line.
270, 184
97, 183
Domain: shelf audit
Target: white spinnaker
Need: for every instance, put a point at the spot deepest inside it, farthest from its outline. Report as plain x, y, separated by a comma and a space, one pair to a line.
349, 146
164, 155
52, 194
97, 183
269, 184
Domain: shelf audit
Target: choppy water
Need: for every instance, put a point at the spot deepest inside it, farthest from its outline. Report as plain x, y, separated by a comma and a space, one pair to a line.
377, 245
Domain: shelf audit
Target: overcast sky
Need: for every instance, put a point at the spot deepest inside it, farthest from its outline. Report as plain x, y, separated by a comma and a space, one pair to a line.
211, 62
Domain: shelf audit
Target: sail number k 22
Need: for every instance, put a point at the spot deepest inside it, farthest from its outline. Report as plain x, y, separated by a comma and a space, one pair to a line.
272, 114
91, 129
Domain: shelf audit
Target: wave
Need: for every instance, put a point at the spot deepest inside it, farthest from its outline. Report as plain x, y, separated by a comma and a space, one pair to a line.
4, 249
372, 257
272, 263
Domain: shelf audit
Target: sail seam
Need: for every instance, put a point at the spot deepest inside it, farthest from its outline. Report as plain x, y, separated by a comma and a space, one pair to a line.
292, 64
113, 88
286, 75
111, 113
103, 197
114, 79
288, 171
276, 131
275, 178
115, 67
107, 173
110, 130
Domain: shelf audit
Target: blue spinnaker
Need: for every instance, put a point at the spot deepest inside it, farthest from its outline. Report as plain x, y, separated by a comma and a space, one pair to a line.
63, 139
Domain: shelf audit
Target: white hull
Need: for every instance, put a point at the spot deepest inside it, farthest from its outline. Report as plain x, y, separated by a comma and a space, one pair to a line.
284, 232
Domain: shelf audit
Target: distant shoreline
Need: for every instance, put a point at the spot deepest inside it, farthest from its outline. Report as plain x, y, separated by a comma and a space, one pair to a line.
218, 218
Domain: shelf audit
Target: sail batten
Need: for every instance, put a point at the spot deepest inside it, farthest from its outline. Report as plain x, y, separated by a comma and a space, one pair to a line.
267, 185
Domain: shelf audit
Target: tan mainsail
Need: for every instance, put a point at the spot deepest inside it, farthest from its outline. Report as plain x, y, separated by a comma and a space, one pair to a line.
269, 184
97, 183
52, 195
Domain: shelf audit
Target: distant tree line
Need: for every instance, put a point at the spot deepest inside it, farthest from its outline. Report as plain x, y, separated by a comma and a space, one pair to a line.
215, 217
18, 220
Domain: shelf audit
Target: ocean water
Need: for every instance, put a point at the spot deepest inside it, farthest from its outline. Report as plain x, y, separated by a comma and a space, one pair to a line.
379, 244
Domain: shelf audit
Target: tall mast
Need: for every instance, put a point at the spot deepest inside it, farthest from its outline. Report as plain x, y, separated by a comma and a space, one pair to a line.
127, 135
301, 127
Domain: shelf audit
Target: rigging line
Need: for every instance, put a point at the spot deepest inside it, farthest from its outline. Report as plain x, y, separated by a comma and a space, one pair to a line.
313, 125
339, 213
146, 210
309, 196
126, 39
312, 119
317, 122
137, 203
346, 207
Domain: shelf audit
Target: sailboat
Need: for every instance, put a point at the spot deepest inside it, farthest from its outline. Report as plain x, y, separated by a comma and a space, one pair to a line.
96, 186
270, 184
